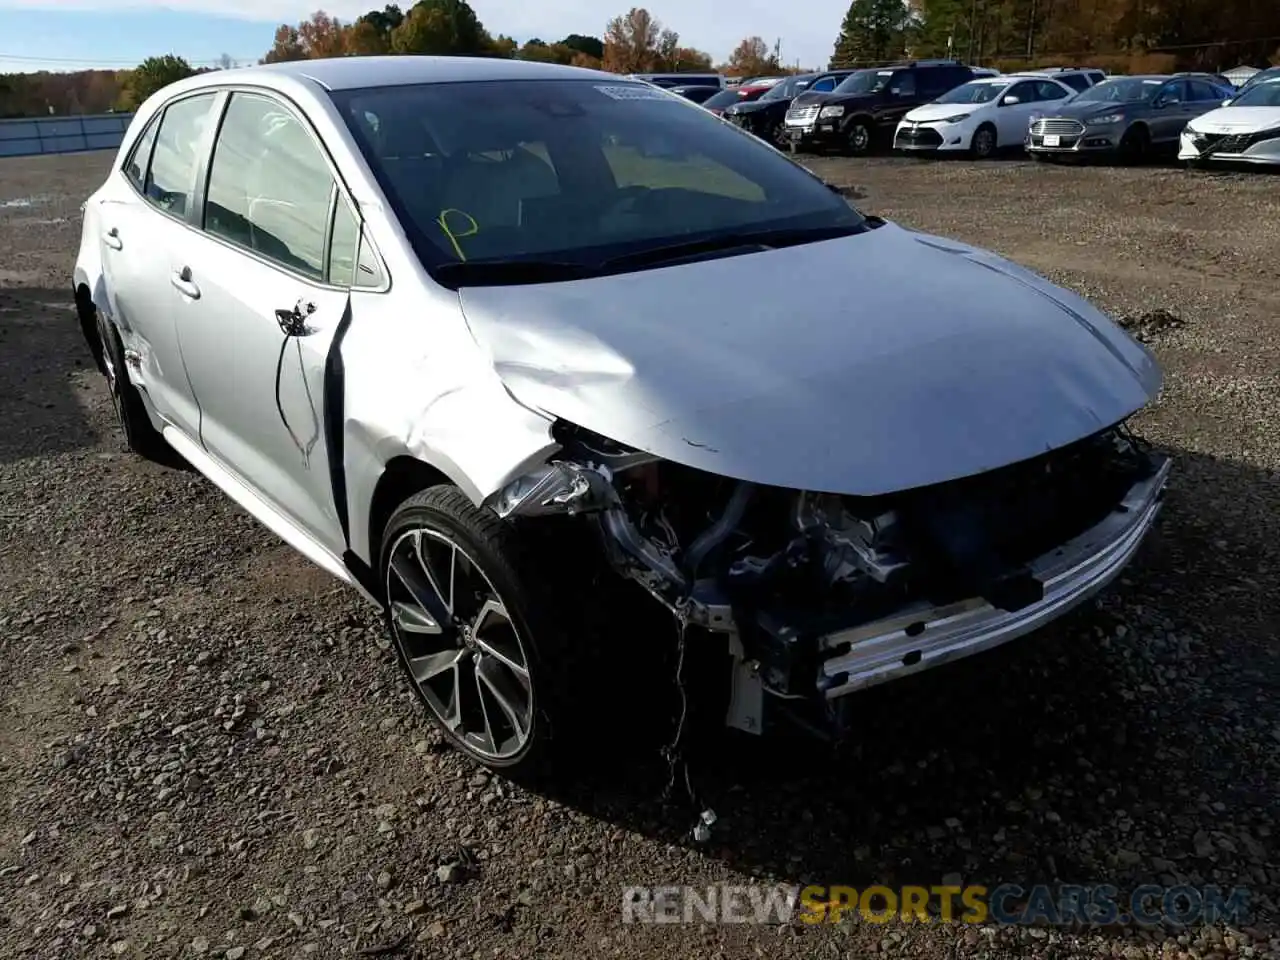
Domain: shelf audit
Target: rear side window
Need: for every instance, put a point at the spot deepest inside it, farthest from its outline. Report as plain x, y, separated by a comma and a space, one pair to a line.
135, 168
825, 85
172, 174
1076, 81
269, 186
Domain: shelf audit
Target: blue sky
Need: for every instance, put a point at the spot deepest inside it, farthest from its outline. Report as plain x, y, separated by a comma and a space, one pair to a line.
74, 34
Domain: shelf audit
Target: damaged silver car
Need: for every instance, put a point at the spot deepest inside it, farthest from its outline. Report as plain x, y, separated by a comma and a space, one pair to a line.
492, 341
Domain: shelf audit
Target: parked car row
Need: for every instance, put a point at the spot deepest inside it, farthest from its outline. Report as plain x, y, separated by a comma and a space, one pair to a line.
944, 107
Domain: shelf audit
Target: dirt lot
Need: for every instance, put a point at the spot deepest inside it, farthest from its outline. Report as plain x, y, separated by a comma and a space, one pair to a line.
205, 747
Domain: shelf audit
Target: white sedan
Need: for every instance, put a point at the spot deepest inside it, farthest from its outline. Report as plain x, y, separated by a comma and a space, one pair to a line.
1246, 129
980, 117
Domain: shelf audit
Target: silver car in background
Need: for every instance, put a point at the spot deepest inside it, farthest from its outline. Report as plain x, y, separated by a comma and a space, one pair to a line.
564, 374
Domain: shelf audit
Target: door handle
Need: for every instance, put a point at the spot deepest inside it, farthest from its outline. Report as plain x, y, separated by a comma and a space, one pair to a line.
182, 282
112, 239
293, 320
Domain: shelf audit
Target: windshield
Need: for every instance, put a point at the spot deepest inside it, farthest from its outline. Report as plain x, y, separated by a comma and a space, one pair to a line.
726, 98
1124, 90
575, 171
865, 81
977, 91
1271, 73
786, 89
1265, 94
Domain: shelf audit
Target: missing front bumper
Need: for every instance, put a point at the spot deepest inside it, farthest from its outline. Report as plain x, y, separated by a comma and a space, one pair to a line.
928, 636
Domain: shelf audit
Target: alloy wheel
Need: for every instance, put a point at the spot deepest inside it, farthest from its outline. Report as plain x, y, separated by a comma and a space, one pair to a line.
859, 138
984, 142
462, 651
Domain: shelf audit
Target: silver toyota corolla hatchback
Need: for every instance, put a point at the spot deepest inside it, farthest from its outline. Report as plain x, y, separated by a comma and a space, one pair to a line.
570, 376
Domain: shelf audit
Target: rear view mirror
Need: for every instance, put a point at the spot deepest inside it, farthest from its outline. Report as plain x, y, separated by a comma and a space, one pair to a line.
1227, 102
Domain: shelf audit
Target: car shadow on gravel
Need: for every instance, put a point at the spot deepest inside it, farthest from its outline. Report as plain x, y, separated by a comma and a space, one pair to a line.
1133, 742
41, 353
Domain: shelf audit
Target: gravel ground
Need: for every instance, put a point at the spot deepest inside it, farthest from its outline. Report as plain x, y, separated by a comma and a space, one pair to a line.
205, 748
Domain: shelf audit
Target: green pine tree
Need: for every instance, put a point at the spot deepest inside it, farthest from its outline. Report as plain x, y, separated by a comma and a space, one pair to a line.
873, 32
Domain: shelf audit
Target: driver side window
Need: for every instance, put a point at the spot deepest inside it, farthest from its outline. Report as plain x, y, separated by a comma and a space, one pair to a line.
1172, 92
825, 85
903, 85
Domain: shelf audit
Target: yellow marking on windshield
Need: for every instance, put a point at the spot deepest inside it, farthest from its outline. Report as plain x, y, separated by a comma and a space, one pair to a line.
470, 230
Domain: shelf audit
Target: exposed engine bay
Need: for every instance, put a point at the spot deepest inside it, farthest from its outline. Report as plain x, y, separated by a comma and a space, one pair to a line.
797, 580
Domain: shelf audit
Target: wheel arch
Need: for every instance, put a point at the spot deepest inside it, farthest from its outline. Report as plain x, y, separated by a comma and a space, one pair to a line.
402, 477
87, 314
995, 134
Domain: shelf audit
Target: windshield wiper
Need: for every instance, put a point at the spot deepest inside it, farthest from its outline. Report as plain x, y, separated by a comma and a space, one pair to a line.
495, 273
758, 240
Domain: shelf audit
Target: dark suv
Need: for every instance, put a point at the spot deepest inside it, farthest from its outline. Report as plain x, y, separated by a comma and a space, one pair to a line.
865, 108
764, 117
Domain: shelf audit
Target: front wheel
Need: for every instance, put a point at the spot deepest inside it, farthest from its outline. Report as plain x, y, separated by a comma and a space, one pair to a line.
1135, 145
495, 629
983, 145
858, 138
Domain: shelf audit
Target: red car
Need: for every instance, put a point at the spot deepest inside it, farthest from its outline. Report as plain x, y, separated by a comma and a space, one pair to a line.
744, 93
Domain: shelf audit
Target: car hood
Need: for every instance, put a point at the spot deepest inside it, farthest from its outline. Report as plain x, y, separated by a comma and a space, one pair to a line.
863, 365
1085, 109
1236, 120
940, 111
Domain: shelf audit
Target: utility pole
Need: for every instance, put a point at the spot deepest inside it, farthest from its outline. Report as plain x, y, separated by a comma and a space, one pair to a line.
1031, 34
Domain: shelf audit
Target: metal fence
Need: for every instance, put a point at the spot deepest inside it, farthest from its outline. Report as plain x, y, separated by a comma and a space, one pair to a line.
26, 137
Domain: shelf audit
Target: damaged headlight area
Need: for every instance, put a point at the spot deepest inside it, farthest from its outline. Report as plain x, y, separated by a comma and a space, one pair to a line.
821, 594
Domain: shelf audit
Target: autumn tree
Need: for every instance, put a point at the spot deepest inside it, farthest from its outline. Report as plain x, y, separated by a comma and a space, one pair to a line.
503, 46
753, 58
873, 31
287, 46
546, 52
323, 36
631, 42
154, 74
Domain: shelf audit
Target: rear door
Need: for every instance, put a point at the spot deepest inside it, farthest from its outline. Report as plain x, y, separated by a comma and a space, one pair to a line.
1172, 112
142, 227
1204, 96
268, 255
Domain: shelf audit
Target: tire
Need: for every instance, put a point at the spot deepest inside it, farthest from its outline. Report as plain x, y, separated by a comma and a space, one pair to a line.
524, 677
985, 142
858, 138
140, 436
1135, 145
